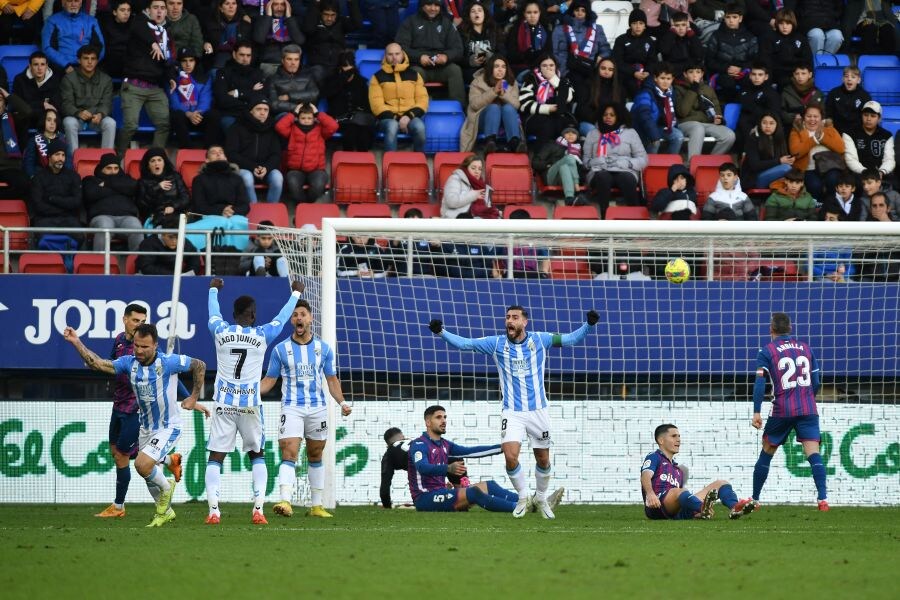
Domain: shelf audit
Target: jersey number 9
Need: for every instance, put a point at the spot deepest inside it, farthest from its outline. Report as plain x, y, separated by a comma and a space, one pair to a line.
789, 367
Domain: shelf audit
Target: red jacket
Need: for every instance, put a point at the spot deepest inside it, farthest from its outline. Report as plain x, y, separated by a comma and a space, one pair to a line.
305, 151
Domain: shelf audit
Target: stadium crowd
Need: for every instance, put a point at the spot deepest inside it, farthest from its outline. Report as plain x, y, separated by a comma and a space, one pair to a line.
270, 90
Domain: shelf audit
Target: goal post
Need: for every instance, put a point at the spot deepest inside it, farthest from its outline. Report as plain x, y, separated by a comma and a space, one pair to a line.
661, 352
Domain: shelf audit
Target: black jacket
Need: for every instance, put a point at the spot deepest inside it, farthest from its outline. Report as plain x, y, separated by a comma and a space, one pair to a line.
165, 264
26, 89
251, 144
140, 64
152, 199
55, 199
727, 47
756, 161
346, 97
116, 36
821, 14
298, 87
681, 51
269, 50
755, 101
216, 186
784, 52
114, 195
235, 77
845, 108
323, 44
630, 51
685, 199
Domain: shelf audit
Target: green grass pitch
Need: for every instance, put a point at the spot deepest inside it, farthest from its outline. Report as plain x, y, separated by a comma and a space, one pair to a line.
62, 551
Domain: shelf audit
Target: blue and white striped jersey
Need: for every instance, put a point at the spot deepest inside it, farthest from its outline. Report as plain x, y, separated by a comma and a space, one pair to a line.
155, 387
520, 365
302, 368
240, 352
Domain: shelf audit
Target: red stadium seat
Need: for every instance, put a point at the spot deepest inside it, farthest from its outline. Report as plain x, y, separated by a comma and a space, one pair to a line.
371, 211
131, 264
570, 268
656, 174
405, 176
627, 213
354, 177
93, 264
708, 161
511, 178
705, 183
576, 212
42, 264
14, 213
444, 164
552, 190
86, 160
429, 211
312, 214
131, 164
276, 212
188, 163
535, 211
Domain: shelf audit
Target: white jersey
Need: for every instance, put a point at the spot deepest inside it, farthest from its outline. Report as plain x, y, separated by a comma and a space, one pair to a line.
155, 387
303, 368
240, 352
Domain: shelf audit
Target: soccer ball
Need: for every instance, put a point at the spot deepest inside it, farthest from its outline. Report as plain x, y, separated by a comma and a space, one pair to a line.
677, 270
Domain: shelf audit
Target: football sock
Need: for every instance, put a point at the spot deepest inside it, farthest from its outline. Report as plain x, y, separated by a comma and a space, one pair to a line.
316, 482
213, 474
818, 473
168, 460
156, 476
760, 473
727, 495
123, 478
689, 501
542, 480
517, 477
260, 475
495, 489
489, 502
287, 479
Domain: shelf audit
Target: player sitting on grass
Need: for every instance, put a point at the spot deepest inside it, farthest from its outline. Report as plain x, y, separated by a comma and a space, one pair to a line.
428, 469
663, 481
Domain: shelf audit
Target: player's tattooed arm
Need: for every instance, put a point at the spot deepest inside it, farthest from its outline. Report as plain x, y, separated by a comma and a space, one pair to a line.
91, 360
198, 370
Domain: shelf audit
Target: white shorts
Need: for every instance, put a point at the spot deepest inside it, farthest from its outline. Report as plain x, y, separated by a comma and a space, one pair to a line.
227, 421
156, 443
535, 423
303, 422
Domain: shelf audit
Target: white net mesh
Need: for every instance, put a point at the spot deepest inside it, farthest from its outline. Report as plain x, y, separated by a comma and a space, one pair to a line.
661, 352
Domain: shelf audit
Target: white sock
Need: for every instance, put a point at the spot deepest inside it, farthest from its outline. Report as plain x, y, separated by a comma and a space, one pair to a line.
157, 478
316, 482
154, 490
542, 481
213, 474
168, 460
260, 477
119, 506
517, 477
287, 479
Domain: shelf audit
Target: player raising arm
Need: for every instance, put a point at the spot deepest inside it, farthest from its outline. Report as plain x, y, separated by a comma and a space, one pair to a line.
240, 351
304, 362
794, 371
154, 378
521, 357
663, 481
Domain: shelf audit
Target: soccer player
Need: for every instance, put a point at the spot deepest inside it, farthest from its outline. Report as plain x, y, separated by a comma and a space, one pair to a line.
663, 484
396, 458
154, 378
306, 365
240, 351
429, 467
520, 358
794, 372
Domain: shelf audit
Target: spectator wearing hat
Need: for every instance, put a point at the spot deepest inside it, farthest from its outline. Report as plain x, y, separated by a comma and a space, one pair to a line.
237, 81
116, 28
110, 197
184, 28
273, 31
87, 101
291, 85
635, 52
253, 144
434, 48
151, 54
190, 103
868, 145
56, 193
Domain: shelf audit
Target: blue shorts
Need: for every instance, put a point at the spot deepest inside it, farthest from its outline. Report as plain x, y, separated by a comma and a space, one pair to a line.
123, 432
660, 513
437, 501
778, 428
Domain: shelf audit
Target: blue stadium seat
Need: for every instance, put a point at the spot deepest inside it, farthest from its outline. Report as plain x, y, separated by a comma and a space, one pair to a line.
890, 112
14, 58
732, 113
828, 78
877, 60
445, 107
831, 60
442, 131
369, 54
892, 126
368, 68
881, 83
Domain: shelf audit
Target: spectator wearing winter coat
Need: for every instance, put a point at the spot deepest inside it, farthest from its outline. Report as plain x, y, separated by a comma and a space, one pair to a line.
158, 253
190, 103
326, 35
253, 144
116, 28
398, 99
434, 48
680, 45
728, 202
820, 20
579, 42
56, 194
655, 110
262, 257
481, 39
348, 102
868, 145
766, 156
161, 189
529, 37
273, 31
635, 53
87, 101
37, 145
39, 88
798, 94
845, 102
67, 31
303, 160
700, 114
615, 157
462, 189
785, 48
730, 52
545, 100
758, 96
224, 30
218, 188
184, 28
291, 85
493, 101
789, 200
815, 134
235, 83
679, 198
559, 162
110, 198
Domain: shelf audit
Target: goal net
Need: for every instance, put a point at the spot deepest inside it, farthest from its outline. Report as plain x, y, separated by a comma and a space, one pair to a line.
661, 353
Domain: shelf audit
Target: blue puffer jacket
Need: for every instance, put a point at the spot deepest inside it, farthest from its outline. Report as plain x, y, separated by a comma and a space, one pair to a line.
64, 33
646, 115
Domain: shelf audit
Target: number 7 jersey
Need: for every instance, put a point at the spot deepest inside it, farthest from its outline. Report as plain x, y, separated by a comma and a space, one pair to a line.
240, 352
794, 371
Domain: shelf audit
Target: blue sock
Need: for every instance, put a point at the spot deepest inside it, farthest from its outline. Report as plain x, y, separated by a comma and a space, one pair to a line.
690, 501
727, 495
488, 502
495, 489
818, 473
123, 478
760, 473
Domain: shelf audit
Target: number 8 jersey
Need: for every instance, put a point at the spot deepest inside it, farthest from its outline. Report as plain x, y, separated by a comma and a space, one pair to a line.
794, 371
240, 352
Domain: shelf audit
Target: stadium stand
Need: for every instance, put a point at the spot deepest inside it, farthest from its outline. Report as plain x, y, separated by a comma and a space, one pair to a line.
627, 213
405, 177
14, 213
94, 264
511, 178
354, 177
86, 159
43, 264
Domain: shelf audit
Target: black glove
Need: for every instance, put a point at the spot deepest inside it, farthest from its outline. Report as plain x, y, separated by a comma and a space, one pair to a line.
437, 326
592, 317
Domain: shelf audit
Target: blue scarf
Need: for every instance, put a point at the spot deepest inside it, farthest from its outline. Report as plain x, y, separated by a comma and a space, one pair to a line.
10, 141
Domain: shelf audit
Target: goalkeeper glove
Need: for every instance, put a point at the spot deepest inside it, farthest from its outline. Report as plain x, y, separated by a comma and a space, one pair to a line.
592, 317
436, 326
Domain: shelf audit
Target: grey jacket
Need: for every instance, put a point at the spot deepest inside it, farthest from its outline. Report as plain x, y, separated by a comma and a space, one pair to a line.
458, 195
628, 156
299, 87
93, 94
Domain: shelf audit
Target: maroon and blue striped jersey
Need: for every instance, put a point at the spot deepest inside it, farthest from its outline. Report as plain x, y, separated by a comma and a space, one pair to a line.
794, 371
666, 473
428, 458
123, 394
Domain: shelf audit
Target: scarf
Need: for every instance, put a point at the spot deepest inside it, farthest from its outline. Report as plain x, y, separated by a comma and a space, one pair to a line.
545, 89
10, 141
186, 89
531, 38
476, 182
668, 106
453, 9
43, 145
607, 139
229, 36
162, 38
573, 148
587, 48
279, 30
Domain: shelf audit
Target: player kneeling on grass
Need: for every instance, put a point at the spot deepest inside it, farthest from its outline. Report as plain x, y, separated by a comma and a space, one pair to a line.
154, 377
305, 364
663, 481
429, 455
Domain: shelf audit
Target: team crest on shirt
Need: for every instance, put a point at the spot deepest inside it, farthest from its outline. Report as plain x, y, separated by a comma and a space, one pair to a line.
159, 370
531, 345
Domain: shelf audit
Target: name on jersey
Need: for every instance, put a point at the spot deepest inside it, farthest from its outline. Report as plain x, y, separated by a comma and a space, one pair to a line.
241, 338
789, 346
227, 389
669, 479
